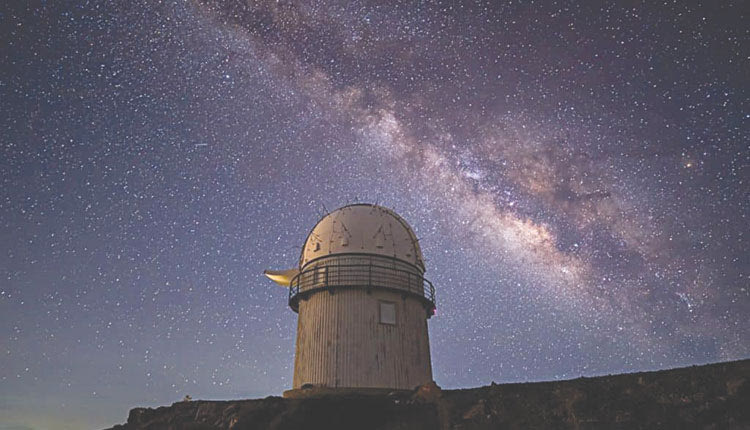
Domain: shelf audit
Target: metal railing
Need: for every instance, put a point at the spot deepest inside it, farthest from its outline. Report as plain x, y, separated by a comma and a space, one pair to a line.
331, 276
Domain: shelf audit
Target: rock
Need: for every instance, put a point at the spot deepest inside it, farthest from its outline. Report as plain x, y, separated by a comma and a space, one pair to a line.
478, 410
712, 396
734, 385
427, 393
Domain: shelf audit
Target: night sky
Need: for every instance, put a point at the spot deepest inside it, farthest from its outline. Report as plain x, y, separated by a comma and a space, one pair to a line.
578, 175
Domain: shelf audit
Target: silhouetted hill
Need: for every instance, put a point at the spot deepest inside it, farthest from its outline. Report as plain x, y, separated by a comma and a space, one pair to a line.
715, 396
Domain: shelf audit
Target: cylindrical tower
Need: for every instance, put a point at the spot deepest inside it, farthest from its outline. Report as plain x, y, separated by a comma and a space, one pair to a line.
363, 303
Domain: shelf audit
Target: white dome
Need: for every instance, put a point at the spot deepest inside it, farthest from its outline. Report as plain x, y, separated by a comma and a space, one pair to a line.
363, 229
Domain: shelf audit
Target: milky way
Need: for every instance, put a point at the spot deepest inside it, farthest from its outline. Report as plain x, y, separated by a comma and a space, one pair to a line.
577, 175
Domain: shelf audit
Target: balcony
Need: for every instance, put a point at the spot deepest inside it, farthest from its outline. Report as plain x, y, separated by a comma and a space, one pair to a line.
368, 272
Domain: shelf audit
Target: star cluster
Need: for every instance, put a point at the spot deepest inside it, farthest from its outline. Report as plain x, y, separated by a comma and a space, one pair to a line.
577, 174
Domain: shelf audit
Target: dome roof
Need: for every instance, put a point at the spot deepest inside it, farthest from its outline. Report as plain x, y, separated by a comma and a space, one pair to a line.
362, 228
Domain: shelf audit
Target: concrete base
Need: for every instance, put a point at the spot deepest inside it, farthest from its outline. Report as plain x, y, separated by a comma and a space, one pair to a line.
316, 392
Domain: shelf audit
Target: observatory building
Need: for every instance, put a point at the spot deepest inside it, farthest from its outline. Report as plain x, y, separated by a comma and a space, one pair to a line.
363, 303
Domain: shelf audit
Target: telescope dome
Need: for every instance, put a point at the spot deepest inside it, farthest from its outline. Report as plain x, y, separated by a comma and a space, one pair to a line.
362, 229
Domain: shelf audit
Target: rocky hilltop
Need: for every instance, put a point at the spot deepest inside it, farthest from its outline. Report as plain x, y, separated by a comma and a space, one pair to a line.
715, 396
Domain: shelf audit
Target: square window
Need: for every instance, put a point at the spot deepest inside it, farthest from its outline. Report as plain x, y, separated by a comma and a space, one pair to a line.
388, 313
319, 275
